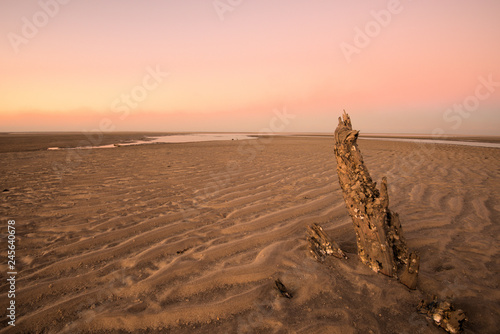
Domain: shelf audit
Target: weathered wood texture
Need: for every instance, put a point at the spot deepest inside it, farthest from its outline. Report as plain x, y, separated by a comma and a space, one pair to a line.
444, 315
283, 289
380, 241
321, 245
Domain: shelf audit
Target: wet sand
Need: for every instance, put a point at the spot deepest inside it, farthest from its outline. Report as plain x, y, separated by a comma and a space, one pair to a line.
20, 142
189, 238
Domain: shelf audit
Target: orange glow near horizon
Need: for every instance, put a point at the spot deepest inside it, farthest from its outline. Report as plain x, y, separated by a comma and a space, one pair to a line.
228, 75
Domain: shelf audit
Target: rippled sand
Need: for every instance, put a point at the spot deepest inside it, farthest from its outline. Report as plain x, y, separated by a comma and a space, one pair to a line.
189, 238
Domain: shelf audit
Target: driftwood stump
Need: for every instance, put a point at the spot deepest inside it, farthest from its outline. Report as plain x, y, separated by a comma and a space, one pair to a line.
321, 245
380, 241
443, 314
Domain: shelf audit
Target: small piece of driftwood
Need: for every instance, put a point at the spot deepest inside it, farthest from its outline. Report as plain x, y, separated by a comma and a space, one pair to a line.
443, 314
380, 241
320, 244
282, 289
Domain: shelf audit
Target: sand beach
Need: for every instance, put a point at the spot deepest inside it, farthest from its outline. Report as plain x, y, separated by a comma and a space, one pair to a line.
190, 237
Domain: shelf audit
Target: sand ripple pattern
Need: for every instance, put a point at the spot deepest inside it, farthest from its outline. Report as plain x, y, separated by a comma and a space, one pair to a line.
187, 238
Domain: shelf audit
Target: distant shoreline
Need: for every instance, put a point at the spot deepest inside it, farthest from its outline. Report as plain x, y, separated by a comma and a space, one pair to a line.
437, 141
471, 138
36, 141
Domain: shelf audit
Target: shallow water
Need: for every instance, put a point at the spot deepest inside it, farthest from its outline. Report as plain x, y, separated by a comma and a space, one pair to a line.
192, 138
437, 141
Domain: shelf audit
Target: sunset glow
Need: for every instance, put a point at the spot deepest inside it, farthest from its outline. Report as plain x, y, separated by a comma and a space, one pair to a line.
197, 66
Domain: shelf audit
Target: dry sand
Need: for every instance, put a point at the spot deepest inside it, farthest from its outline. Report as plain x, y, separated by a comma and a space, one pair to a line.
189, 238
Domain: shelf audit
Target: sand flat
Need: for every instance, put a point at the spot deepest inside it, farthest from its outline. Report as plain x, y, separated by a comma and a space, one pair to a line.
190, 237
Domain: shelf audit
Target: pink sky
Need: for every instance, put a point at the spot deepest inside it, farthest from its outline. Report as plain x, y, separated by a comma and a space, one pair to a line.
229, 75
